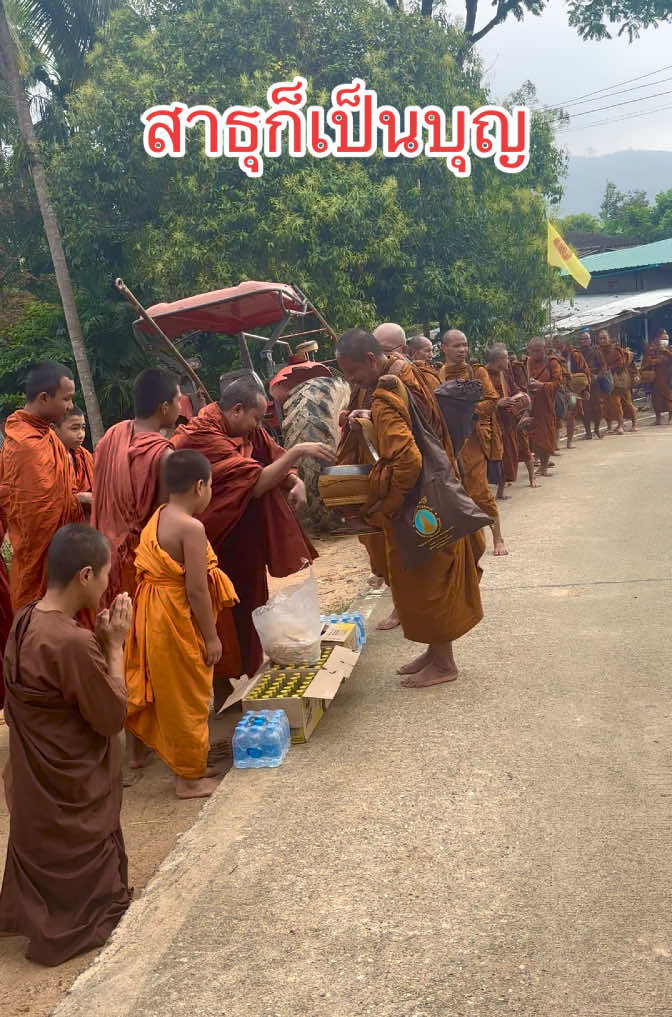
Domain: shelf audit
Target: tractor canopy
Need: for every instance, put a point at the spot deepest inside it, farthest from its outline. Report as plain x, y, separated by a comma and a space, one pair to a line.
228, 312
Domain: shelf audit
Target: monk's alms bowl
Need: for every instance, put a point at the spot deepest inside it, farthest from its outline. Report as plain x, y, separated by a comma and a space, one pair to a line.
345, 489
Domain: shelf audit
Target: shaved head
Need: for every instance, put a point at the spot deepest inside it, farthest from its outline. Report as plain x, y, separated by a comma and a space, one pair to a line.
391, 337
536, 348
455, 346
360, 357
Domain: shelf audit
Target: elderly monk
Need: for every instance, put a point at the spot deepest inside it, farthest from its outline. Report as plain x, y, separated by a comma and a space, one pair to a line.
439, 601
250, 521
594, 407
66, 876
575, 363
544, 380
37, 481
392, 338
512, 404
485, 442
658, 358
128, 465
420, 350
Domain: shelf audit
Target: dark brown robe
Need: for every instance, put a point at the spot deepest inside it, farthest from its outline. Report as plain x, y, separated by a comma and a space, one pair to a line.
66, 877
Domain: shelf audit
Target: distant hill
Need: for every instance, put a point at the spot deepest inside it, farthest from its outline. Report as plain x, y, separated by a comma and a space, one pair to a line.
634, 170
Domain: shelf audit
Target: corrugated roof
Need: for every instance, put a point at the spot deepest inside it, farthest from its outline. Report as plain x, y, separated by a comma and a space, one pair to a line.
592, 310
643, 256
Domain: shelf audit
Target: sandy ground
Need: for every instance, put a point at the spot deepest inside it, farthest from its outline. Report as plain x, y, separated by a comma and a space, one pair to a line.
152, 818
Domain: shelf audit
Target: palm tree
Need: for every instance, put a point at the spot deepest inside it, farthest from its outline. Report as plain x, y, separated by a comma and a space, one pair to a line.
66, 32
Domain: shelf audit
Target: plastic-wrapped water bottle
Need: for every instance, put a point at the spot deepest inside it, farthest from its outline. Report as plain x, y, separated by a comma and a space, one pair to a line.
356, 620
261, 739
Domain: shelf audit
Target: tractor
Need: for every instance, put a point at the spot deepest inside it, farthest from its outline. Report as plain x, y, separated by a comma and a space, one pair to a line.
305, 397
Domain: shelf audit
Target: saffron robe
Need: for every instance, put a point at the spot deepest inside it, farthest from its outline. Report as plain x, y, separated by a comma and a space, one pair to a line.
440, 600
249, 534
660, 361
549, 372
37, 496
168, 682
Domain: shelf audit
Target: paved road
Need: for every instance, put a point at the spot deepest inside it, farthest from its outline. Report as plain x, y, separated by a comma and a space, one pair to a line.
497, 846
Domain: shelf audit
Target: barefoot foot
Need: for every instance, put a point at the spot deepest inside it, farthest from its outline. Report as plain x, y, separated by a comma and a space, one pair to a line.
390, 622
375, 582
414, 666
500, 549
202, 788
434, 674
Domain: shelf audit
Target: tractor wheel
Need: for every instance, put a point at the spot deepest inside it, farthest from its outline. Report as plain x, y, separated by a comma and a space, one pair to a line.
311, 414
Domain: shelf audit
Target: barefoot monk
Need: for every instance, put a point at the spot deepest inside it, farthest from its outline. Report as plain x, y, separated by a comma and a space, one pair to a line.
439, 601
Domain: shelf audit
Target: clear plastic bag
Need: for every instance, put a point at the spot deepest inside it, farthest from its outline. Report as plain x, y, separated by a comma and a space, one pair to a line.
288, 624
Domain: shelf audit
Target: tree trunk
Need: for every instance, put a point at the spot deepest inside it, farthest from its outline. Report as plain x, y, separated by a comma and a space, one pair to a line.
10, 71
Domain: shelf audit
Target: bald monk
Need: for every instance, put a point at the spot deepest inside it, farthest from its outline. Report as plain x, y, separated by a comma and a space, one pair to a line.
72, 432
594, 407
250, 521
128, 465
173, 645
66, 876
575, 363
544, 380
485, 441
37, 480
511, 406
420, 350
658, 358
439, 601
392, 338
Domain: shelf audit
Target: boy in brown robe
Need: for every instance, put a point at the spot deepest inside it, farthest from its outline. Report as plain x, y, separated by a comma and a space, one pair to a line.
66, 884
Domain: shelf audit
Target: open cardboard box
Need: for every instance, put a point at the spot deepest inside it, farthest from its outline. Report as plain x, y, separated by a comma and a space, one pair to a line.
303, 714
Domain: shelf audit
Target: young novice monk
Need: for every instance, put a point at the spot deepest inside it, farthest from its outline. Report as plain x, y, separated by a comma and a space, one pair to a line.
66, 884
173, 644
72, 432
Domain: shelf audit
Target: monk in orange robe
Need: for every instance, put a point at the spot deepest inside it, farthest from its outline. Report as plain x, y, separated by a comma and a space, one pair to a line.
72, 432
615, 361
658, 358
37, 480
544, 380
173, 645
595, 401
6, 613
485, 442
128, 464
574, 363
439, 601
512, 404
250, 521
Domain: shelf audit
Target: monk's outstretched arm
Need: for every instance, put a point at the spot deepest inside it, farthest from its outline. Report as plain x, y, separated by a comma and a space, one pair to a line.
275, 473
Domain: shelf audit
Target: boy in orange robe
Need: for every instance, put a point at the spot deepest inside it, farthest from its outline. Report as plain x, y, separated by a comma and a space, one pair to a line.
250, 521
37, 479
128, 463
440, 600
485, 442
173, 645
72, 432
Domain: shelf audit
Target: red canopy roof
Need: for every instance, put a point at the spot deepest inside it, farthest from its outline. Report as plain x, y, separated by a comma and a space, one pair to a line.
237, 309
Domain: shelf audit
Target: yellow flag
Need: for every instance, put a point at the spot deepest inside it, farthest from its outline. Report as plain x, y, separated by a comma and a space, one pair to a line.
562, 256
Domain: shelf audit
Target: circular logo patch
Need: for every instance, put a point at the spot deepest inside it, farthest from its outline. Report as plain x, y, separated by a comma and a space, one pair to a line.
425, 522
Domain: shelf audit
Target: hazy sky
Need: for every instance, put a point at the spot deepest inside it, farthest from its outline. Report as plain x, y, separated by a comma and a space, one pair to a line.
551, 54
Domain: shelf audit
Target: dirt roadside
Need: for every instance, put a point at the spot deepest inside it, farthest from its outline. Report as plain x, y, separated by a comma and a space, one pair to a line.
152, 818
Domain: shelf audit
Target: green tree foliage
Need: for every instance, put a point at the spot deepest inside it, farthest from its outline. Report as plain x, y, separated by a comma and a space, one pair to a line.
580, 221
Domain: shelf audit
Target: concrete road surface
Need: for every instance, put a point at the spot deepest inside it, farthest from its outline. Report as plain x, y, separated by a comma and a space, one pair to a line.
500, 845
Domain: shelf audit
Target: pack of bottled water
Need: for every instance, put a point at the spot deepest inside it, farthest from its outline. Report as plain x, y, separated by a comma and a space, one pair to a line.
261, 739
354, 618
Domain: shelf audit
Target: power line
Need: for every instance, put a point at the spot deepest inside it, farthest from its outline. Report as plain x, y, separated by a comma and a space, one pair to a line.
624, 91
607, 88
615, 105
614, 120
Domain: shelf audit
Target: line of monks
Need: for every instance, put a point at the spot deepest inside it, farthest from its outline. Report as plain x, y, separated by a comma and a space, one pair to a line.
174, 533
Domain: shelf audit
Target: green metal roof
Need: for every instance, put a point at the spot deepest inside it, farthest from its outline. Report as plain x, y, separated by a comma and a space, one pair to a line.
642, 256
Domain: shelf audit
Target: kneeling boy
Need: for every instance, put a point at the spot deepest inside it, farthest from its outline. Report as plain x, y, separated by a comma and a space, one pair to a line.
66, 878
173, 644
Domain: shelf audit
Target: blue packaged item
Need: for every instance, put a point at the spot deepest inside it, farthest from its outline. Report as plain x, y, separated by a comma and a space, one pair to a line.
261, 739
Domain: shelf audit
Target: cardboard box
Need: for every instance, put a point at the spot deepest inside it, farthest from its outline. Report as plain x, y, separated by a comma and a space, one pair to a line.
340, 634
305, 710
